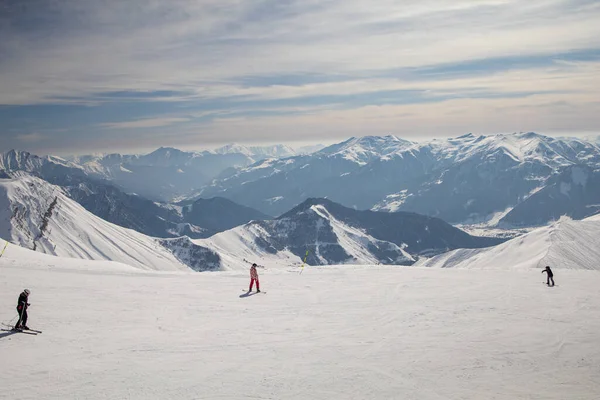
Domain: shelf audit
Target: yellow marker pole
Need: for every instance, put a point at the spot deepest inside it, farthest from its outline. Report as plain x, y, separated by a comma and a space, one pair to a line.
5, 246
304, 262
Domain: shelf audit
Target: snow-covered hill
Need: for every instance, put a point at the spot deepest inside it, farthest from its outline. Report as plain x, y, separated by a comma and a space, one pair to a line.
567, 244
39, 216
333, 234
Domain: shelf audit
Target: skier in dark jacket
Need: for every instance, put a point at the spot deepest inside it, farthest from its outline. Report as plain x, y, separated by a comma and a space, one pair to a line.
550, 276
22, 310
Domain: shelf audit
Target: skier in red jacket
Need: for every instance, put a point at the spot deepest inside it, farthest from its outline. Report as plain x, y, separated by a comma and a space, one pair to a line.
254, 278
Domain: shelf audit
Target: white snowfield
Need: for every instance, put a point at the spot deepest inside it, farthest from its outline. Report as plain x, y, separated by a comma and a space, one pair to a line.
566, 244
71, 230
110, 332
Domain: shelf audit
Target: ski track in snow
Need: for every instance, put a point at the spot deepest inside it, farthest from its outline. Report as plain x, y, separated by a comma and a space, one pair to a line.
111, 332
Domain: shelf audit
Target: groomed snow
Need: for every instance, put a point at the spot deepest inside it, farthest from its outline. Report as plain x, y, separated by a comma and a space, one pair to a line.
330, 333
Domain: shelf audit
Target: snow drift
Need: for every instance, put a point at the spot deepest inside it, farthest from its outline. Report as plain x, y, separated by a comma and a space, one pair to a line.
566, 244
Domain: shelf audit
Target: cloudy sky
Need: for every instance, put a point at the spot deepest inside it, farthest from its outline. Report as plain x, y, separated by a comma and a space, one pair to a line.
81, 76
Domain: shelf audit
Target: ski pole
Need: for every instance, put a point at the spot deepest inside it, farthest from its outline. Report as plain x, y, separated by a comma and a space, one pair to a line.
5, 246
10, 323
304, 262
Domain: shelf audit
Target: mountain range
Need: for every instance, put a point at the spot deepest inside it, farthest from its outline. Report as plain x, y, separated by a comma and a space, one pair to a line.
168, 173
322, 232
460, 180
507, 181
42, 217
111, 203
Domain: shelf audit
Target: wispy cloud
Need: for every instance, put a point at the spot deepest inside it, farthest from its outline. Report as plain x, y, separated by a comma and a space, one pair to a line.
29, 137
144, 123
96, 66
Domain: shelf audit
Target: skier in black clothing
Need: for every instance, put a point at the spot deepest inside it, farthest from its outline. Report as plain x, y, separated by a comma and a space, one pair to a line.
550, 275
22, 309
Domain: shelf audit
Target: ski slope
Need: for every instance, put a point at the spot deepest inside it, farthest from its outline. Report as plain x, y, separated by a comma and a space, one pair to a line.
36, 214
330, 333
566, 244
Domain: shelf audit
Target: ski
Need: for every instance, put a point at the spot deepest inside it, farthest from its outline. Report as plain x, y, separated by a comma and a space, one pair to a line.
32, 330
261, 292
29, 332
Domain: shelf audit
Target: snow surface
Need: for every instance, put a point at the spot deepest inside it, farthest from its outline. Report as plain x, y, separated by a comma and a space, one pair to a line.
330, 333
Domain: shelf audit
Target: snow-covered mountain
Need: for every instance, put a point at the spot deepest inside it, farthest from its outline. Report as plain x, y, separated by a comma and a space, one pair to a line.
112, 204
333, 234
100, 197
575, 192
48, 167
366, 149
566, 244
257, 152
217, 214
163, 174
465, 179
39, 216
169, 173
309, 149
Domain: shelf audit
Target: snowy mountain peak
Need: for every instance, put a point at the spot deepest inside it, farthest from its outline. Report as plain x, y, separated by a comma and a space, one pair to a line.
365, 149
166, 151
15, 160
19, 160
233, 148
257, 152
167, 156
334, 234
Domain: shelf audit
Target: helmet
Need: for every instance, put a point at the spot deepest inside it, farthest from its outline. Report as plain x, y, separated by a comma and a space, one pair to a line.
254, 265
27, 292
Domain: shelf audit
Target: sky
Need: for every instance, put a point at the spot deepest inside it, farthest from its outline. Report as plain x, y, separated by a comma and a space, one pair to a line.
85, 76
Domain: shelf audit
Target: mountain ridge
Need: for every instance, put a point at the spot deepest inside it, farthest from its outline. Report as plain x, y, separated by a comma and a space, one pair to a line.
457, 179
